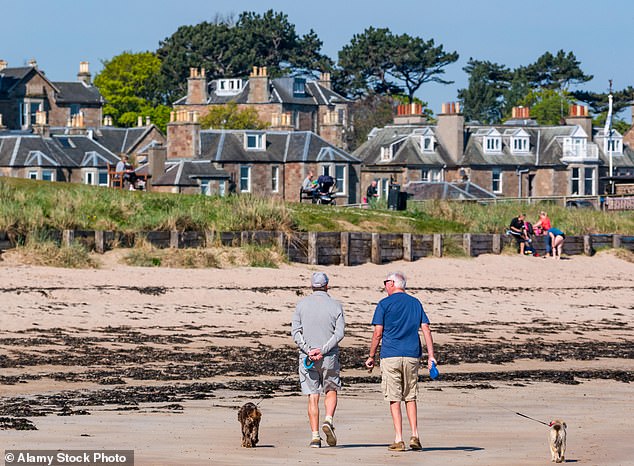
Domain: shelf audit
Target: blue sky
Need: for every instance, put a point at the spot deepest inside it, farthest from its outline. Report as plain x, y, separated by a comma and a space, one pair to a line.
61, 33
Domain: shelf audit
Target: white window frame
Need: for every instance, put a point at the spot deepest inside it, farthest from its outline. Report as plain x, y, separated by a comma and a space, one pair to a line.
575, 179
275, 178
204, 187
89, 177
33, 175
260, 141
386, 154
384, 187
228, 86
590, 171
424, 174
248, 178
492, 144
520, 145
103, 173
496, 178
617, 146
342, 188
47, 170
427, 139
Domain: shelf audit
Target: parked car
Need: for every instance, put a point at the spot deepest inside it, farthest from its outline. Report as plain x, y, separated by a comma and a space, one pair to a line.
580, 204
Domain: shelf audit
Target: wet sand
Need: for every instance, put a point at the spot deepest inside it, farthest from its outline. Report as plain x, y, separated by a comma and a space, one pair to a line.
159, 360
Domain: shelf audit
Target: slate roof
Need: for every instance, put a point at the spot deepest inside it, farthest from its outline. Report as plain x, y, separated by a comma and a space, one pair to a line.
227, 146
63, 151
122, 140
281, 92
405, 143
77, 93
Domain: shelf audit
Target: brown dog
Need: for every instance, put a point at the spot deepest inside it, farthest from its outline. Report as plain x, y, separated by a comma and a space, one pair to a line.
557, 437
249, 416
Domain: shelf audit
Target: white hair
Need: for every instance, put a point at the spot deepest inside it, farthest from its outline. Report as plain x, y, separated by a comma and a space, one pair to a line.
400, 281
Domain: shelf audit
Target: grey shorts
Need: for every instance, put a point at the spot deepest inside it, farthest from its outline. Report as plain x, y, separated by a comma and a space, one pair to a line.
323, 377
399, 378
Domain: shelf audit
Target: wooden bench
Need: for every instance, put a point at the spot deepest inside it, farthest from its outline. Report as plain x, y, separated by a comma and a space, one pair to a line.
116, 179
306, 196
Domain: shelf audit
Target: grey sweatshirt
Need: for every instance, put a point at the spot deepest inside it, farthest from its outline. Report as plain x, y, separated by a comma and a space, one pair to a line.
318, 322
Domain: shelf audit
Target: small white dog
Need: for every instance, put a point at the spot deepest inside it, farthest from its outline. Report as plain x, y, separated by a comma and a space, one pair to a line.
557, 437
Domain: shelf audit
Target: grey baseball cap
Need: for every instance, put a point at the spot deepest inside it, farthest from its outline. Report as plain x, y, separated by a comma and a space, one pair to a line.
319, 279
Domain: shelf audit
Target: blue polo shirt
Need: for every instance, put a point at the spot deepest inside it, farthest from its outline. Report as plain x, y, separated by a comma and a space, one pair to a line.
401, 315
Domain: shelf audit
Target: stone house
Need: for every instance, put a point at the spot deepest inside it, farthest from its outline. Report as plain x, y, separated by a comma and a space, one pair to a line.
286, 103
26, 90
271, 163
516, 159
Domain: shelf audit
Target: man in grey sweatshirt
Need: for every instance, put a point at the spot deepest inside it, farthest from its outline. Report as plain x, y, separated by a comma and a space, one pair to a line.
317, 328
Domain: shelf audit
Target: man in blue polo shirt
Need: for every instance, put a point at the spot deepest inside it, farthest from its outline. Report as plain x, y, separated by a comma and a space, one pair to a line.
397, 319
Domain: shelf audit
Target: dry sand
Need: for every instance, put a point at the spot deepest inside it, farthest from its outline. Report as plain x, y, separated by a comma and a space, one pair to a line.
159, 360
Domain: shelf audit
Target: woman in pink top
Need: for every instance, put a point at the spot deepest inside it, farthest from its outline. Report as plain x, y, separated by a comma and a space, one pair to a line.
543, 224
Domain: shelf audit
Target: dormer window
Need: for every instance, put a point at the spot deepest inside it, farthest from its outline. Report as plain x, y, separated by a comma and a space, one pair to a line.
255, 141
613, 146
519, 144
229, 86
427, 143
299, 86
492, 143
386, 154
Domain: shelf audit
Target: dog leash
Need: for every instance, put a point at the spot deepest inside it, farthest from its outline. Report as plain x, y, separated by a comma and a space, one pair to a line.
507, 409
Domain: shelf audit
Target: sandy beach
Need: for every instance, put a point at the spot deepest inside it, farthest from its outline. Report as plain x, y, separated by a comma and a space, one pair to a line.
158, 361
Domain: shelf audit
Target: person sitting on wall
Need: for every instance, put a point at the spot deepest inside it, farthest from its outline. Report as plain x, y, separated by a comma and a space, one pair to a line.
517, 229
124, 167
309, 186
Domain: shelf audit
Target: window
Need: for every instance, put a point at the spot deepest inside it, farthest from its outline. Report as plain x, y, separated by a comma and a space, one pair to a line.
427, 144
384, 187
496, 180
255, 141
204, 188
588, 181
325, 170
436, 174
614, 146
229, 86
245, 179
103, 177
89, 178
75, 109
340, 178
48, 175
32, 175
275, 179
424, 176
520, 144
492, 144
386, 154
574, 180
299, 86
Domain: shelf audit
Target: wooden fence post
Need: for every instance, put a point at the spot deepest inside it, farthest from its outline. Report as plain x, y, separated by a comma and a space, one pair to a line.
312, 248
68, 236
281, 240
466, 243
376, 248
408, 251
616, 241
587, 245
174, 239
345, 248
497, 244
244, 238
437, 245
100, 241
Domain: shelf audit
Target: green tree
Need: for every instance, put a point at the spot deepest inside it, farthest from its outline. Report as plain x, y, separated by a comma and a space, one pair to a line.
377, 61
230, 48
483, 99
548, 106
371, 111
598, 103
130, 85
229, 116
557, 71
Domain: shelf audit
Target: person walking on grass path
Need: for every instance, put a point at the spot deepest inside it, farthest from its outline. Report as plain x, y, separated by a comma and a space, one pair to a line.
318, 326
397, 320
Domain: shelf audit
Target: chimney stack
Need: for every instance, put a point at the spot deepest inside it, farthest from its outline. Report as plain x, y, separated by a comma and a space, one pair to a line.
450, 130
197, 87
324, 80
33, 62
258, 86
84, 73
3, 64
183, 135
409, 114
520, 113
156, 163
578, 115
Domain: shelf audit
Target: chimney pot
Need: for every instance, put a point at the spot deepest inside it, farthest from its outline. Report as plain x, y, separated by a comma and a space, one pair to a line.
147, 120
33, 62
139, 121
3, 64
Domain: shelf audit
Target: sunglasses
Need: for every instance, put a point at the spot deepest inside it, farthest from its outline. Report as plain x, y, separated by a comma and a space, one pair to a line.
385, 282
